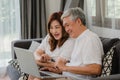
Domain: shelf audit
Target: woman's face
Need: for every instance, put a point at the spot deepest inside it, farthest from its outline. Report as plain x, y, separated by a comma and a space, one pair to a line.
56, 30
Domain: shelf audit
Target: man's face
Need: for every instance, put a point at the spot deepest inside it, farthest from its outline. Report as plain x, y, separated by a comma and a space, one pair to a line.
71, 27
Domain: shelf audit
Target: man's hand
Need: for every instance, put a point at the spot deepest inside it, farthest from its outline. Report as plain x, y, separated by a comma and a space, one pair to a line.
52, 69
61, 64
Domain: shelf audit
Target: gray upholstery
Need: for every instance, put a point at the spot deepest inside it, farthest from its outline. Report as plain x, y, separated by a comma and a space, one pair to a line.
116, 59
111, 77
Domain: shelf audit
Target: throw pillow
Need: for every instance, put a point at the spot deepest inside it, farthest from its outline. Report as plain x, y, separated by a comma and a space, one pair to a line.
14, 63
24, 76
107, 62
34, 45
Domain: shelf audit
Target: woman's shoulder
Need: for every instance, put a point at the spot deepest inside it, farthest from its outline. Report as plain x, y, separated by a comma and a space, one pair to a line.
46, 37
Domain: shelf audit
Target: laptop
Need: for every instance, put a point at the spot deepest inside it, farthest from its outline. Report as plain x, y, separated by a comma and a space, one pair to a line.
28, 65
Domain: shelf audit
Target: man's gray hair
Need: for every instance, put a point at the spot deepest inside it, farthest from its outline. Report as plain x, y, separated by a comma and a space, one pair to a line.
74, 14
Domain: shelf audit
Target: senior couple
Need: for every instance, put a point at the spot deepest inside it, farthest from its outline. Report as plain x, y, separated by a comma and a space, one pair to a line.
70, 48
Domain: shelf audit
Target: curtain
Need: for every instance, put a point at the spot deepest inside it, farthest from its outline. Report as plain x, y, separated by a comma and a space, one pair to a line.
33, 19
9, 30
62, 6
103, 16
73, 3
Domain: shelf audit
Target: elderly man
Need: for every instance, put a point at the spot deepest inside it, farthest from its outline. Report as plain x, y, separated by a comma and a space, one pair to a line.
87, 54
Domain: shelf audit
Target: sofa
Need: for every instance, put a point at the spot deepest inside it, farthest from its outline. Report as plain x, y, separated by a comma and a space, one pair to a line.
108, 45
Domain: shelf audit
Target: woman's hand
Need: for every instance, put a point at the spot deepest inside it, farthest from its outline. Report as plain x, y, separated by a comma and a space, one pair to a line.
45, 58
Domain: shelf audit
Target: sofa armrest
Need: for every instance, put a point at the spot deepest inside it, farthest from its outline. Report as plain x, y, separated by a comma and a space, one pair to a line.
111, 77
24, 43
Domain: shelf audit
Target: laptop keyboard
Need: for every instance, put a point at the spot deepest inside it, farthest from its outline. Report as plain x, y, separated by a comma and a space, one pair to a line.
43, 74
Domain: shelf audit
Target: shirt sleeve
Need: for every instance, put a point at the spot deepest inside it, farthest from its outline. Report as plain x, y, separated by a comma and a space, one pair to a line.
44, 43
93, 51
42, 47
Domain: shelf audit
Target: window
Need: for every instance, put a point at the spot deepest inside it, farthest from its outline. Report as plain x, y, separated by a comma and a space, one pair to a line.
9, 28
112, 8
106, 13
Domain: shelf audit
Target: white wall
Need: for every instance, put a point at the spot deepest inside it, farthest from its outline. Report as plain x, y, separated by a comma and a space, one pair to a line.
52, 6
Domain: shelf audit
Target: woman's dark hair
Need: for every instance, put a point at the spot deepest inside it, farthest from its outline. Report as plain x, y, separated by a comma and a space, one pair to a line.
52, 41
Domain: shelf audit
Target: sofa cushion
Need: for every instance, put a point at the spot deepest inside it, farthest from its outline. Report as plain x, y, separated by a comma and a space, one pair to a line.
107, 62
14, 63
116, 59
108, 43
34, 45
15, 71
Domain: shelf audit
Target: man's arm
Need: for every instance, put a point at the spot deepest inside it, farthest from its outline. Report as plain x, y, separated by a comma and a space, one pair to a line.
90, 69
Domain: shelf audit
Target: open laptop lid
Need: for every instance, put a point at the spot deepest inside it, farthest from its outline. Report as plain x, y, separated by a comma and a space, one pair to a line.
28, 65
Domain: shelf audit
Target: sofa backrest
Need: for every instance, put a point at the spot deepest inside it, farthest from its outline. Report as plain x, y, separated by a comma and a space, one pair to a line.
108, 43
116, 59
24, 43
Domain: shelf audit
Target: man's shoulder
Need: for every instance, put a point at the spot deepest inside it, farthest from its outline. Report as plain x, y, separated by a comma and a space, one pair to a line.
69, 41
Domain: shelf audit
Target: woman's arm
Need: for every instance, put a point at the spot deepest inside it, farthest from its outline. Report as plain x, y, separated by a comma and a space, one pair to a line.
38, 53
42, 56
46, 64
